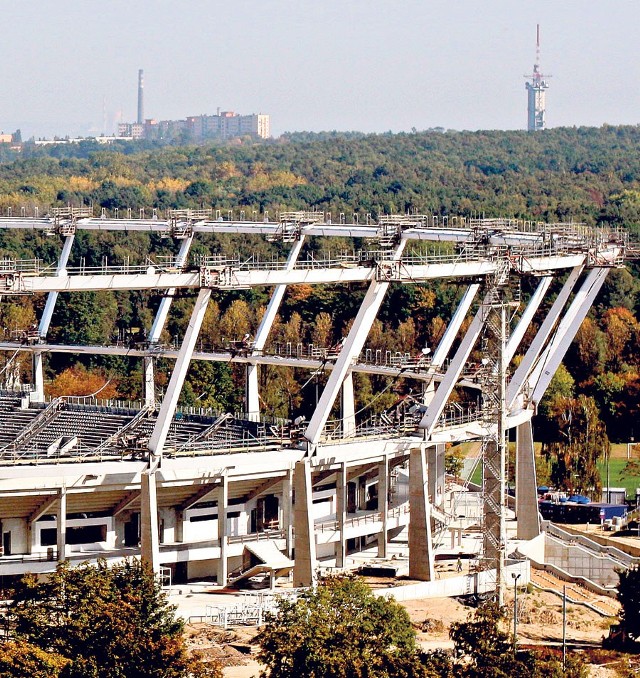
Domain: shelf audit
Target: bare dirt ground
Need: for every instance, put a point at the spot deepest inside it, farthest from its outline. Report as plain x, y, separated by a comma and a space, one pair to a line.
540, 623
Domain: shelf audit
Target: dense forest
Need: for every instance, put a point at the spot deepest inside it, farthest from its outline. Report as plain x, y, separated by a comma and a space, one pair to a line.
581, 174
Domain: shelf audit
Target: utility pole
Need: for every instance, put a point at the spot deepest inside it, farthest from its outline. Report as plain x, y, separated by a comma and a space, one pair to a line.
515, 576
564, 627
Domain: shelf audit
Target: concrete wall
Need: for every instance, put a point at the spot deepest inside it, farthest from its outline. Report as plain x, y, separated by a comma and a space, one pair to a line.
580, 562
480, 582
18, 529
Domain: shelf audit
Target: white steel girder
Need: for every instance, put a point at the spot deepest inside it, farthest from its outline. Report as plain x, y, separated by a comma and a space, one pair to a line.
527, 316
351, 348
523, 371
232, 278
441, 353
412, 372
158, 325
262, 334
45, 320
47, 314
441, 397
506, 236
444, 346
168, 407
567, 329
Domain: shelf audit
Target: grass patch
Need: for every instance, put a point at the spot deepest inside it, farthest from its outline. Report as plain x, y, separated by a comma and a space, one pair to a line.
618, 476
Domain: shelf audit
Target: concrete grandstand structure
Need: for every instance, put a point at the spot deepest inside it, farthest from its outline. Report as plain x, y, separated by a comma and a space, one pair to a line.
189, 490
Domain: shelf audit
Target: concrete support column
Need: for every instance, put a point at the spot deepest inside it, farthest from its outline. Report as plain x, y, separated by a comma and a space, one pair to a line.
223, 537
432, 472
149, 537
348, 407
362, 493
435, 464
383, 506
118, 528
252, 395
29, 535
420, 544
287, 511
305, 551
526, 485
37, 396
179, 529
341, 515
62, 525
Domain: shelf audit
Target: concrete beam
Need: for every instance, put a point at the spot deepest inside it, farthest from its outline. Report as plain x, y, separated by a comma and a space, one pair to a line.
125, 502
341, 516
223, 539
43, 507
206, 490
267, 485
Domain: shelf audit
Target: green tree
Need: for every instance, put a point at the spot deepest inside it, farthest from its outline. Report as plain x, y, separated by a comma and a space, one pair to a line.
577, 444
339, 629
629, 598
482, 643
483, 649
106, 621
19, 659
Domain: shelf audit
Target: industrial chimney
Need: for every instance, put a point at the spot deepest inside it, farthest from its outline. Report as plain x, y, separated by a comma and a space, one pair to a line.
140, 97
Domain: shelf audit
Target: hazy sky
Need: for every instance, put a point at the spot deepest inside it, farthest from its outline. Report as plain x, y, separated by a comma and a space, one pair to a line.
370, 65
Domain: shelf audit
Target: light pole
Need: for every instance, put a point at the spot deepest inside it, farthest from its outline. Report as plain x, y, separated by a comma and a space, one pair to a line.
515, 576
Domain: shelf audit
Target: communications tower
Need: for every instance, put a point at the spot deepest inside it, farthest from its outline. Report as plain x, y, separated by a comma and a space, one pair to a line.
536, 88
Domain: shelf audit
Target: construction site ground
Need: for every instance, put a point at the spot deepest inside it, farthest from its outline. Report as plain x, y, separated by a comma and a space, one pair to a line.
540, 624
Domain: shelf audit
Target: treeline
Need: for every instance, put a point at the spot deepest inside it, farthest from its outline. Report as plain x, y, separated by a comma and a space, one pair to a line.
584, 174
587, 174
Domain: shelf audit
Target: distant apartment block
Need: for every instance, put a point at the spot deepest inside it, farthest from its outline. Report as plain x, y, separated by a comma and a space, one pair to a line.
135, 130
225, 125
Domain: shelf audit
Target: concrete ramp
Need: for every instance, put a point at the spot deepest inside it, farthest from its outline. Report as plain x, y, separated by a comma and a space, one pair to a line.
272, 561
267, 552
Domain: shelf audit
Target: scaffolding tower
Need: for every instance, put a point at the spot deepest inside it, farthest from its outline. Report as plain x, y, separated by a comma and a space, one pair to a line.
496, 312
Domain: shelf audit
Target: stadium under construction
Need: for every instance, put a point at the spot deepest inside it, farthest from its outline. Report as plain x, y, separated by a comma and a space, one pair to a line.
203, 494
